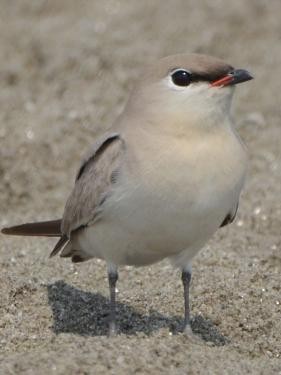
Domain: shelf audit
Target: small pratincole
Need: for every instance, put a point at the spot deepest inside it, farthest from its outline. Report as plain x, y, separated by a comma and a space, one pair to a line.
163, 180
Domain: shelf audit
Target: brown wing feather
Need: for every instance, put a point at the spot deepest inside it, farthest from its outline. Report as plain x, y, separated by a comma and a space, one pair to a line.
93, 183
50, 228
98, 149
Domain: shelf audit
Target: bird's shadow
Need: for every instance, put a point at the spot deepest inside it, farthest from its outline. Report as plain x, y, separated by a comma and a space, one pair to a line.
85, 313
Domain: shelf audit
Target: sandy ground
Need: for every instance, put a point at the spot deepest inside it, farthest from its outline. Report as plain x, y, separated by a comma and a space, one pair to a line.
66, 70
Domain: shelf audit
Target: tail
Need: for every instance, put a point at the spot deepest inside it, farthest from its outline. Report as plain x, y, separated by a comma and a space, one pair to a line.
44, 228
50, 228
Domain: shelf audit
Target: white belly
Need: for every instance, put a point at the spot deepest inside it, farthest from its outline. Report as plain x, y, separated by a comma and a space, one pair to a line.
147, 222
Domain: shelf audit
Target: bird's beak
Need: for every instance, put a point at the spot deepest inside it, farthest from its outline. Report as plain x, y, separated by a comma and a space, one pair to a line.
233, 78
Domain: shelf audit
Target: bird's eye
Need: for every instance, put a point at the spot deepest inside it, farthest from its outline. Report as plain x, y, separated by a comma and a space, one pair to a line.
181, 77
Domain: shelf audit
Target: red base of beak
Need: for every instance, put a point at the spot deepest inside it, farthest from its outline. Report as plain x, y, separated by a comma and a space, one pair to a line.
233, 78
223, 81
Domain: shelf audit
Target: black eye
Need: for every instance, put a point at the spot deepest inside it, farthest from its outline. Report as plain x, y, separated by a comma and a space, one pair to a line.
181, 77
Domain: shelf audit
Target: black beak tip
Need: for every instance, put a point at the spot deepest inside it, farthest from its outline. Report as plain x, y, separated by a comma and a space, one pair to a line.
241, 75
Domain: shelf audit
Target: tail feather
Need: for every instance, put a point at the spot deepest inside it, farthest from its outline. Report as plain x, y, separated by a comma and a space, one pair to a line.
50, 228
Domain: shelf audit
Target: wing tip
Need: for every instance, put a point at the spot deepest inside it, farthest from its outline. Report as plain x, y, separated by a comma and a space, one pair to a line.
61, 242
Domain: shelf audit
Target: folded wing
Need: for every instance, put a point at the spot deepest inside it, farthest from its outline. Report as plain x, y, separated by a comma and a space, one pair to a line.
93, 185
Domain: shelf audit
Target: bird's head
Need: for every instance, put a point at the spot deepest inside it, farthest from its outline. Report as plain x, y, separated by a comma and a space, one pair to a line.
188, 88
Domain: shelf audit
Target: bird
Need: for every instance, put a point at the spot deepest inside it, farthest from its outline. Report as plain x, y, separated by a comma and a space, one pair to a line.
162, 180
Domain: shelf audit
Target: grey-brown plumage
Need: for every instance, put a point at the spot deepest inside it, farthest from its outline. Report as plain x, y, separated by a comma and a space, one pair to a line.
204, 68
92, 188
93, 184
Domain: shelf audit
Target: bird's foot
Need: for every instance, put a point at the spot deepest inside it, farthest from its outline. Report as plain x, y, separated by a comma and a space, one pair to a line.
187, 331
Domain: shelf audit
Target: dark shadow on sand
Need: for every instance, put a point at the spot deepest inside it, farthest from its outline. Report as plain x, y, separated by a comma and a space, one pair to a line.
85, 313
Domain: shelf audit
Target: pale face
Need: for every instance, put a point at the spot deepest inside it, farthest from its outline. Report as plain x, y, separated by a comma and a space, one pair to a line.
193, 104
186, 91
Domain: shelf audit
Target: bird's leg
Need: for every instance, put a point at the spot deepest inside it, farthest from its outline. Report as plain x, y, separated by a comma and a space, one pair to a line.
186, 277
112, 280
